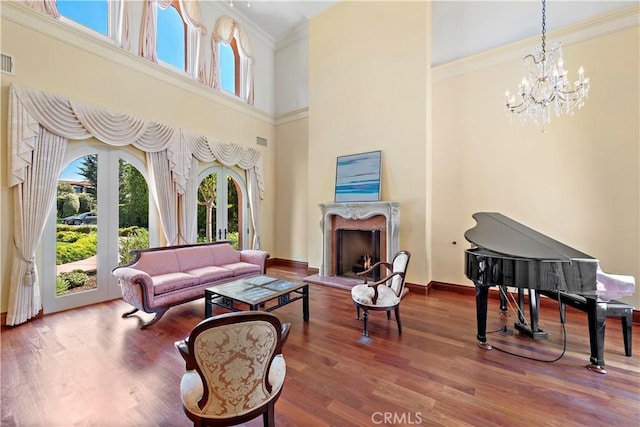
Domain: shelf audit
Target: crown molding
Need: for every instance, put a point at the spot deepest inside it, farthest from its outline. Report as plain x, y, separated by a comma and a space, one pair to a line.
597, 27
292, 116
299, 33
78, 38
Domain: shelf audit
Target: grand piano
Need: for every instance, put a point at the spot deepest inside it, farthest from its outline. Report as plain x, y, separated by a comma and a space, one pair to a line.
506, 253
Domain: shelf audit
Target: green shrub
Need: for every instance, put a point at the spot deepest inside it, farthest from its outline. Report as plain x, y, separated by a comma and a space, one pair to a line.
75, 278
87, 202
137, 239
128, 231
232, 237
62, 285
67, 236
83, 248
70, 205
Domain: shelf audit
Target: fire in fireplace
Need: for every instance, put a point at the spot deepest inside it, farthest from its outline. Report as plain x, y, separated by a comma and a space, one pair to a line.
354, 249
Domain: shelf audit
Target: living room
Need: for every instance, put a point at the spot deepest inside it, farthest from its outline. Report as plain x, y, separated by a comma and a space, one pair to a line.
448, 150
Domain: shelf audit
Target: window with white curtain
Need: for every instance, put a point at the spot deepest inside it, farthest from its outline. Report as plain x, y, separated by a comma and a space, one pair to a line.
229, 67
171, 36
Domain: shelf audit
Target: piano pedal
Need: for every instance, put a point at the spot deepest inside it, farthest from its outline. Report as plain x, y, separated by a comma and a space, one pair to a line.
596, 368
505, 330
484, 345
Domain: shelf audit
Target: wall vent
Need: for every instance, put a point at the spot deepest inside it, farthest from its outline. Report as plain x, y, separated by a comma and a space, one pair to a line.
7, 63
261, 141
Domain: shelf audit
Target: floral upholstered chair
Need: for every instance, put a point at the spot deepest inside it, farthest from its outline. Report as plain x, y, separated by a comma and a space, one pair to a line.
384, 294
235, 368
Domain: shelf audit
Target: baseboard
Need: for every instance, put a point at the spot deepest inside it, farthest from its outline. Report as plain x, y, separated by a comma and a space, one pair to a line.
418, 289
493, 294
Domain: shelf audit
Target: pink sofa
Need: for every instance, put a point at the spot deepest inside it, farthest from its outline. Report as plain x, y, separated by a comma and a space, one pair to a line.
162, 277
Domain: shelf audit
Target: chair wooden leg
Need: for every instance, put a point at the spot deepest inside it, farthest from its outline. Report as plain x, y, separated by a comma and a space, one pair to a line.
365, 332
269, 417
397, 311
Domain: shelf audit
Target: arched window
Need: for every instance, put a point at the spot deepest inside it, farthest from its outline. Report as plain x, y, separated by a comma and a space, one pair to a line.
171, 36
93, 14
230, 67
231, 59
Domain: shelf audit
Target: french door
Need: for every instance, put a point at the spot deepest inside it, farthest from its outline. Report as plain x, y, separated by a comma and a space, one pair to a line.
98, 236
222, 210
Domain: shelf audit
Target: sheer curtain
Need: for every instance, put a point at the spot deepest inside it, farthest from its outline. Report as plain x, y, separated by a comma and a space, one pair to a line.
33, 199
40, 125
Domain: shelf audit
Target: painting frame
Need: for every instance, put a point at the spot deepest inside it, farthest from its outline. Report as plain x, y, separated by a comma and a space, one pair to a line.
358, 177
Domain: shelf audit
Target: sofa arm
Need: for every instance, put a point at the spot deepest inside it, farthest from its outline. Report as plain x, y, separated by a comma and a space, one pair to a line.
136, 286
257, 257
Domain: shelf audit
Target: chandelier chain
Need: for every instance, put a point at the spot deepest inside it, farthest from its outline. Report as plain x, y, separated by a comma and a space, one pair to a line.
544, 28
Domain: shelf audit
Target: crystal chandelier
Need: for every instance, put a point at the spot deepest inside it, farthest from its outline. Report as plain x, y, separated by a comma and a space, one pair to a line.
545, 86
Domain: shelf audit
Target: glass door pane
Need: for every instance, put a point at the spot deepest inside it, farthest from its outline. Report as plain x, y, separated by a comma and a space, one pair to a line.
133, 212
77, 227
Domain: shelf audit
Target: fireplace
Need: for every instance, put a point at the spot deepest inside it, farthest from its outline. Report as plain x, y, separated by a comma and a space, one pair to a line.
356, 250
370, 228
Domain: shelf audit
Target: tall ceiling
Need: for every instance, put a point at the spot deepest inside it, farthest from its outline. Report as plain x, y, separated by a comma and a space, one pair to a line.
460, 28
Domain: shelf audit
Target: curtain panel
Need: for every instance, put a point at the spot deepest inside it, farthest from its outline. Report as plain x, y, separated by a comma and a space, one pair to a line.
40, 125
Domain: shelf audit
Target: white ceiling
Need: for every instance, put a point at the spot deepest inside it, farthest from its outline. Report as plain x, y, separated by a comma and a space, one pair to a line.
460, 28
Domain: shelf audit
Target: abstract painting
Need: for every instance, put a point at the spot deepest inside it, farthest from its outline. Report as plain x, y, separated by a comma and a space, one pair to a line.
358, 177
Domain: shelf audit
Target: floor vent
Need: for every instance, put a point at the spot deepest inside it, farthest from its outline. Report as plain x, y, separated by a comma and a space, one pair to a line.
7, 64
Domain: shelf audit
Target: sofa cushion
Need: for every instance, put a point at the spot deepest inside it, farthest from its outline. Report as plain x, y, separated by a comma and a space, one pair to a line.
158, 262
163, 283
224, 254
210, 273
194, 257
241, 268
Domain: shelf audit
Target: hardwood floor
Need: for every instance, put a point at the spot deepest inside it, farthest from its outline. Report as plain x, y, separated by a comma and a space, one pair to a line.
91, 367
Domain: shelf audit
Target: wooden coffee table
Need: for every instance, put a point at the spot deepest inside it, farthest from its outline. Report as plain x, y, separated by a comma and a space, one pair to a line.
256, 292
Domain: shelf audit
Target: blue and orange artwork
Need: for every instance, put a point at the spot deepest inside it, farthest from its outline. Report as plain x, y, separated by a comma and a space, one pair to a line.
358, 177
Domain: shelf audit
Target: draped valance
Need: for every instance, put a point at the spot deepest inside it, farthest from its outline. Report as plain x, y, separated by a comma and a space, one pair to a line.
31, 108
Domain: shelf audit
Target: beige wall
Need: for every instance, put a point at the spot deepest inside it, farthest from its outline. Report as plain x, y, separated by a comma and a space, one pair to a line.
136, 88
293, 173
578, 182
367, 91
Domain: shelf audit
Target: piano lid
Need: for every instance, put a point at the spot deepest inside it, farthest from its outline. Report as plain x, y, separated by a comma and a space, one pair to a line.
505, 236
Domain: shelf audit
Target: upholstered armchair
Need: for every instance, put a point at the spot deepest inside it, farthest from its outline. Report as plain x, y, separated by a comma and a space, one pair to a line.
235, 368
384, 294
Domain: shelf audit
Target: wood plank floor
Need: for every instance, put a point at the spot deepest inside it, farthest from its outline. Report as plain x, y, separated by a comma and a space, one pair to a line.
90, 367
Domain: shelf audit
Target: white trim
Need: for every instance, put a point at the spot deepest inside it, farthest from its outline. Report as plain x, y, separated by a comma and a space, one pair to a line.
292, 116
299, 33
25, 16
597, 27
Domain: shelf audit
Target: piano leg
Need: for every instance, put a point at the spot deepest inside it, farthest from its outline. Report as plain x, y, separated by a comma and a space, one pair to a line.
596, 316
503, 300
482, 294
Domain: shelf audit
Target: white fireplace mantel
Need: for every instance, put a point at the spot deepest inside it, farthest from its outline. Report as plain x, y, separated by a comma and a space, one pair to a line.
355, 211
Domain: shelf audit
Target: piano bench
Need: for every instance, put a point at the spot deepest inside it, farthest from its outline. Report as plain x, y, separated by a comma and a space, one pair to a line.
625, 312
614, 309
